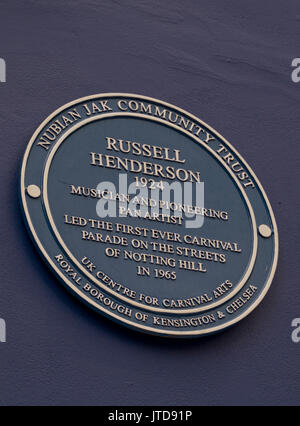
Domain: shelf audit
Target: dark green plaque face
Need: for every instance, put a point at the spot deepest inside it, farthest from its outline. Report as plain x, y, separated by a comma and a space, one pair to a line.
148, 215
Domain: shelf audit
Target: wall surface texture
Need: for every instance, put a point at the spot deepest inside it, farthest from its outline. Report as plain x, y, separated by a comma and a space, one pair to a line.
227, 62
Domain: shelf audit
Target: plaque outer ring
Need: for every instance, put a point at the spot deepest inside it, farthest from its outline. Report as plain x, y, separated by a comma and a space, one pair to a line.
94, 305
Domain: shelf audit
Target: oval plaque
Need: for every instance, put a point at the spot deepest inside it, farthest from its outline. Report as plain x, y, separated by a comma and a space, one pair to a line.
148, 215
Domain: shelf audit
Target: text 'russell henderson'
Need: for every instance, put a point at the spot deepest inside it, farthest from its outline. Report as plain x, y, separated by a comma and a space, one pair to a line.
144, 167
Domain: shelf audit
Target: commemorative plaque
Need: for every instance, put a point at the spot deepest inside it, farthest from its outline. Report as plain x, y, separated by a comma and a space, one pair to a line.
148, 215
